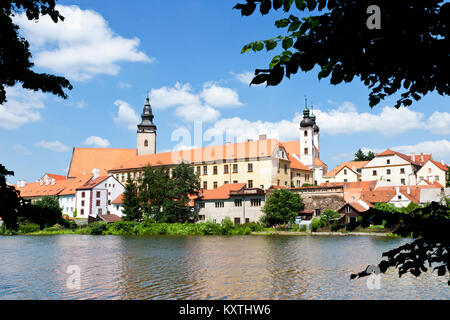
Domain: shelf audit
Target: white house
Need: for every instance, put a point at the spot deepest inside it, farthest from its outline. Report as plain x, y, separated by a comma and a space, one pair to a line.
433, 171
240, 204
394, 167
95, 197
116, 206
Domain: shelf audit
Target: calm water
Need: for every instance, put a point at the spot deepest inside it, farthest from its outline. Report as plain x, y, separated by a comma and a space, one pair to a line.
237, 267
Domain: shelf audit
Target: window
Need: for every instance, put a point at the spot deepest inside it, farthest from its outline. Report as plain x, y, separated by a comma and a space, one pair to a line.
219, 204
436, 178
250, 167
99, 211
82, 194
117, 207
123, 177
215, 170
237, 221
347, 209
255, 202
82, 212
205, 185
345, 180
247, 220
225, 182
388, 161
374, 172
98, 194
97, 203
399, 197
250, 183
235, 181
205, 170
306, 133
109, 202
402, 181
306, 150
82, 203
402, 170
235, 168
145, 143
345, 171
201, 217
238, 202
388, 171
299, 183
225, 168
201, 204
429, 170
306, 177
198, 170
285, 169
215, 184
278, 182
261, 186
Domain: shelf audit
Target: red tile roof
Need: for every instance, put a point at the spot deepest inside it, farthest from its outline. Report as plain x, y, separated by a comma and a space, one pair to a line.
223, 192
118, 200
109, 218
295, 164
74, 184
440, 165
84, 160
350, 165
57, 176
419, 159
35, 189
357, 206
92, 183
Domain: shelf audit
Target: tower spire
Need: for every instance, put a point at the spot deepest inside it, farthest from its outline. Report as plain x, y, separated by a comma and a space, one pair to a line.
147, 124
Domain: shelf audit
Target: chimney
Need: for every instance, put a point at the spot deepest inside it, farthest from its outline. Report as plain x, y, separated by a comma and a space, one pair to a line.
53, 181
41, 182
413, 157
442, 162
47, 182
96, 173
397, 189
408, 189
21, 183
262, 136
421, 157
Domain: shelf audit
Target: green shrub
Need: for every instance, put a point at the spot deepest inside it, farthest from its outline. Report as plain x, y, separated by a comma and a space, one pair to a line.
302, 228
255, 226
28, 228
122, 228
97, 227
335, 226
211, 228
227, 225
316, 224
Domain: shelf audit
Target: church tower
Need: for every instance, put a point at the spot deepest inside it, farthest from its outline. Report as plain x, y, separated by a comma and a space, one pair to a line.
315, 135
146, 133
307, 150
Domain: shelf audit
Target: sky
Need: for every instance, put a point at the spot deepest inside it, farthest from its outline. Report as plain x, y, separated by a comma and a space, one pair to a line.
186, 56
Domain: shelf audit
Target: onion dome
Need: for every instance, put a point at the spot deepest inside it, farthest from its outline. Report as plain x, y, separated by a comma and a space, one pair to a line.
307, 121
315, 126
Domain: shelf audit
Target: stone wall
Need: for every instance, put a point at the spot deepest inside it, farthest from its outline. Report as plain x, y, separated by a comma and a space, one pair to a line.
323, 202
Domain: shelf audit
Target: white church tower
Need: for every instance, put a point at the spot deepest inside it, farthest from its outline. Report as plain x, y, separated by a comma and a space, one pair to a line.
146, 133
307, 150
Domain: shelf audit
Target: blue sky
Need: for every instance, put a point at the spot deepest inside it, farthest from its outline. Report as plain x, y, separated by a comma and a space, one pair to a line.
186, 55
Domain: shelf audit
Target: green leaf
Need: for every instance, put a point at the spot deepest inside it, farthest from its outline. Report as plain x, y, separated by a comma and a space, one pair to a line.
257, 46
300, 4
259, 79
265, 6
246, 48
270, 44
311, 4
277, 4
294, 25
287, 5
282, 23
287, 43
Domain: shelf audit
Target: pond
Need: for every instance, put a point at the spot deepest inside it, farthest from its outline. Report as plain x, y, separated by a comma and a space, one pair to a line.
204, 267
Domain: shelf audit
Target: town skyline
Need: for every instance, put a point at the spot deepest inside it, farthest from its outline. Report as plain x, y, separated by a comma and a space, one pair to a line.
186, 83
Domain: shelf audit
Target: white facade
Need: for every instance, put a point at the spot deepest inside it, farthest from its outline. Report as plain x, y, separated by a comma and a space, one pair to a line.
431, 172
240, 209
98, 199
67, 204
400, 200
391, 169
307, 149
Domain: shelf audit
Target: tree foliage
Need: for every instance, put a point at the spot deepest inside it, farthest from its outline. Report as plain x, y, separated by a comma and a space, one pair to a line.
10, 200
282, 206
131, 205
45, 212
15, 57
431, 249
407, 55
329, 215
361, 156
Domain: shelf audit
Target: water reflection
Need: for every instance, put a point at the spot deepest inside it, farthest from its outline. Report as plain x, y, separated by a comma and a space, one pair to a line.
237, 267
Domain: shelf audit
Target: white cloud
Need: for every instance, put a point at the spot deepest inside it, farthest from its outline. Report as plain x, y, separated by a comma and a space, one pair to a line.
220, 96
79, 47
21, 149
55, 146
439, 149
197, 112
191, 106
165, 97
439, 122
97, 142
22, 107
245, 78
123, 85
126, 115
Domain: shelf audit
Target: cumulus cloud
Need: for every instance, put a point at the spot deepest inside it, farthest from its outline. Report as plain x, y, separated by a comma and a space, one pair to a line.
22, 107
220, 96
191, 106
123, 85
439, 149
244, 77
79, 47
126, 115
439, 122
96, 142
55, 146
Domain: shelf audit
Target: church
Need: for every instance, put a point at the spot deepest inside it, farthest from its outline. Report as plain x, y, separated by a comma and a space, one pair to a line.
260, 163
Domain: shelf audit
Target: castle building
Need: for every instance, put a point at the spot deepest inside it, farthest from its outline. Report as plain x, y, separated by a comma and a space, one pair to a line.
258, 164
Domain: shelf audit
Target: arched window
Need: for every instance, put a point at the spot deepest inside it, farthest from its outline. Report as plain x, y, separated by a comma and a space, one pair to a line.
145, 143
306, 133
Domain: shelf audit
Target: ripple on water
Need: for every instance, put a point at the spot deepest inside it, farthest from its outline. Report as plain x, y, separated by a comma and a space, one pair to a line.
239, 267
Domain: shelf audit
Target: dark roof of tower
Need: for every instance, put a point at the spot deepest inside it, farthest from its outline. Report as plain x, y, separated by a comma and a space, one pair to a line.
147, 118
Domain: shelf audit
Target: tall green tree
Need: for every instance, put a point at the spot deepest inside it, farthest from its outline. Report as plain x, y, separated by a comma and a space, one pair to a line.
15, 57
45, 212
10, 200
131, 204
282, 206
154, 191
401, 48
447, 178
361, 156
